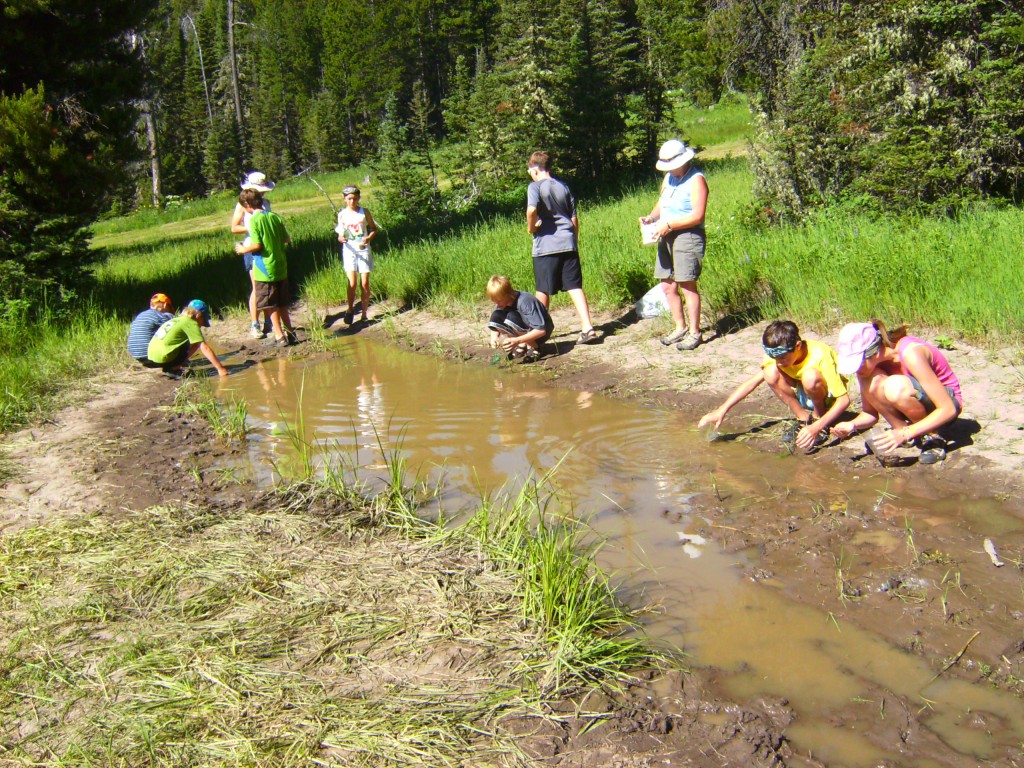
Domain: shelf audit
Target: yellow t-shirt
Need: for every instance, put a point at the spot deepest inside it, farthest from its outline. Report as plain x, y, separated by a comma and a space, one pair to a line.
821, 357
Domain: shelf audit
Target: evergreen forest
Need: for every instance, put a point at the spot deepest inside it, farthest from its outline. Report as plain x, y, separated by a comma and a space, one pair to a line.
899, 107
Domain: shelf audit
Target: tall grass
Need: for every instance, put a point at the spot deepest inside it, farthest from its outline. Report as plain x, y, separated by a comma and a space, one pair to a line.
37, 361
728, 123
961, 276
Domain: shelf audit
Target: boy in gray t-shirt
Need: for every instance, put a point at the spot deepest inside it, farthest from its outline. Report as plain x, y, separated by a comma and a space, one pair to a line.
519, 320
551, 219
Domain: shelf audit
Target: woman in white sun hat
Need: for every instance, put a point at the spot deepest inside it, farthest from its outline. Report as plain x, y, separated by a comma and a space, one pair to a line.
680, 211
240, 226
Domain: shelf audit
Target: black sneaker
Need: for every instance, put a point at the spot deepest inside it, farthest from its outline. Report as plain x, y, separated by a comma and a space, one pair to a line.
822, 438
347, 317
290, 336
933, 449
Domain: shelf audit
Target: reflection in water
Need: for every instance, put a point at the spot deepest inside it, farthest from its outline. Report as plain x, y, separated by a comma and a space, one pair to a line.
643, 477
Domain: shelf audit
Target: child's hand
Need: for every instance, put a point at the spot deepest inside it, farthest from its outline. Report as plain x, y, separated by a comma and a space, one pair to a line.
893, 439
238, 248
806, 436
843, 429
714, 416
341, 238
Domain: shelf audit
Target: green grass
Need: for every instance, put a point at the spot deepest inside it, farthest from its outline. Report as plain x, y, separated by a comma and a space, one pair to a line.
220, 204
728, 123
38, 362
960, 278
311, 629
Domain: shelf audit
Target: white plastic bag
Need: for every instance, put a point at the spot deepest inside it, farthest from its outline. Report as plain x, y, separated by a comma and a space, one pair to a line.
652, 303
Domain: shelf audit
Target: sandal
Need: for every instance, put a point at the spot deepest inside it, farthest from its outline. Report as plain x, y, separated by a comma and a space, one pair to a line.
588, 336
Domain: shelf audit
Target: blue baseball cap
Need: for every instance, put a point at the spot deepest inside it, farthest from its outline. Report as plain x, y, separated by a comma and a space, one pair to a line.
202, 307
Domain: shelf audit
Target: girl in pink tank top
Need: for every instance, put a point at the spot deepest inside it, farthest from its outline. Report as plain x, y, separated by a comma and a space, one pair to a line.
903, 379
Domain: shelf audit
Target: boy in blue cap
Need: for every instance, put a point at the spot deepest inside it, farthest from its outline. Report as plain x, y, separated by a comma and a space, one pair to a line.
177, 340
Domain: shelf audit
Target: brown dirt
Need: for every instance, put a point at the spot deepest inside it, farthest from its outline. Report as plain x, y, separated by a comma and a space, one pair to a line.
122, 447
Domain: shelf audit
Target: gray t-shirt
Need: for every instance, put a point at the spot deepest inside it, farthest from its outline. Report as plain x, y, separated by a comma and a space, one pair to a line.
533, 312
556, 208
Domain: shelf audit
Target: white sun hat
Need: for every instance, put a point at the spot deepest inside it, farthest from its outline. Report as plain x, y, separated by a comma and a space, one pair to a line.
673, 154
258, 181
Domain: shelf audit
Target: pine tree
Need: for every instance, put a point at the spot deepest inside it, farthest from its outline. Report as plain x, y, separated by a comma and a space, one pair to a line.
67, 127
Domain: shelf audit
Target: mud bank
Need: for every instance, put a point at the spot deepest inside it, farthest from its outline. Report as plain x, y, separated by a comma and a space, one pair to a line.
926, 586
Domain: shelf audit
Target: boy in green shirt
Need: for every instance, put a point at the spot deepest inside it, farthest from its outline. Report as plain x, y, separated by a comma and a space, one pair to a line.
177, 340
802, 374
267, 240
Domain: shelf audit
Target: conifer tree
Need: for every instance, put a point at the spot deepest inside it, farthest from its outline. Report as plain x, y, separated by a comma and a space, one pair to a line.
67, 127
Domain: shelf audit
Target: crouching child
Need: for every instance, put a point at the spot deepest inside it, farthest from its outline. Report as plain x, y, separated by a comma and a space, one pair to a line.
802, 374
145, 325
520, 324
177, 340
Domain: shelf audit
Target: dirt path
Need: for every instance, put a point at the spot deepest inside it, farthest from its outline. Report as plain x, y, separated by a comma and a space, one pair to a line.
122, 447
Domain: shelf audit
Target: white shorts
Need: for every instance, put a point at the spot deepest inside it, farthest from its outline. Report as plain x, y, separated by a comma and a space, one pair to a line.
356, 261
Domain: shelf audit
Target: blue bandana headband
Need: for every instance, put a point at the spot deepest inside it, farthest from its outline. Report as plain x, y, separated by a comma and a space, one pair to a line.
776, 352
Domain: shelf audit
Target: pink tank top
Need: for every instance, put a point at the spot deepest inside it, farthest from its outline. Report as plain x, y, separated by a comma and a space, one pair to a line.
939, 364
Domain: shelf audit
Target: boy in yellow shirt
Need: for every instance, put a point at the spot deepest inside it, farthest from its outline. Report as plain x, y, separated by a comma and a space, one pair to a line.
802, 374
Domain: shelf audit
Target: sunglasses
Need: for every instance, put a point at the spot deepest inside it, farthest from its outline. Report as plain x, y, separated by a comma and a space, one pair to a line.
776, 352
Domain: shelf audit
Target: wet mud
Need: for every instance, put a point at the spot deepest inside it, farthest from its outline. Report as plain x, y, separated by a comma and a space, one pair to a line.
876, 602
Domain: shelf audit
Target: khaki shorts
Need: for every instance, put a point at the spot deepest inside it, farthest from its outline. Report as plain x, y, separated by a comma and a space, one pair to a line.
680, 256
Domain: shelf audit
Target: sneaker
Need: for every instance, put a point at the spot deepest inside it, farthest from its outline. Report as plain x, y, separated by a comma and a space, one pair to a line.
677, 335
690, 341
256, 331
588, 336
268, 327
933, 449
531, 356
282, 342
347, 317
289, 334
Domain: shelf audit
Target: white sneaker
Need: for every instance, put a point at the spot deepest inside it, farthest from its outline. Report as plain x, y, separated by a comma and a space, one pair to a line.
256, 331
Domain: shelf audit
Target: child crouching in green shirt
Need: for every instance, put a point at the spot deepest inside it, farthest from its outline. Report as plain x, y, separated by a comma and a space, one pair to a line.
802, 374
177, 340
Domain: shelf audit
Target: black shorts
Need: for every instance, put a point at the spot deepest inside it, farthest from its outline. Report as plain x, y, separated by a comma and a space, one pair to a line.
178, 359
272, 295
554, 272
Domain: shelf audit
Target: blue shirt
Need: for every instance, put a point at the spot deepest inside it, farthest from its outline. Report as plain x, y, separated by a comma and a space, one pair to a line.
677, 195
142, 329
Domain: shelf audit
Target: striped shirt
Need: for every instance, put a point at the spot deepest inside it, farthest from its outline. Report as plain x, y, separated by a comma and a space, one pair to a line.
142, 329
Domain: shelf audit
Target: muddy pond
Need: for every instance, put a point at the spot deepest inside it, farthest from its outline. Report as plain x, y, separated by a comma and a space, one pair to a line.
654, 487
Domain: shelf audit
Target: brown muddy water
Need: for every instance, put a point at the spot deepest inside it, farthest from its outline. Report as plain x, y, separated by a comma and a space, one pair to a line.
645, 479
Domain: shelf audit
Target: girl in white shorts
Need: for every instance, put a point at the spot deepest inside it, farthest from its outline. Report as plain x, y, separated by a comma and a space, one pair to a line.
356, 228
